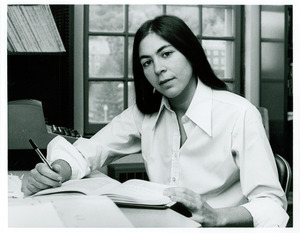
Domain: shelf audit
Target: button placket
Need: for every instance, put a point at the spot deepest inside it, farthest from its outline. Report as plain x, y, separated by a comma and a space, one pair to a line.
175, 154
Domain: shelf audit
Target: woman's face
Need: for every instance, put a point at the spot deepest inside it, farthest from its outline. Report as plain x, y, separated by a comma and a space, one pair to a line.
167, 69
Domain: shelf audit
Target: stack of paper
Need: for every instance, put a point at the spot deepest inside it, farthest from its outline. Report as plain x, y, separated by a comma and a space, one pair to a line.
14, 187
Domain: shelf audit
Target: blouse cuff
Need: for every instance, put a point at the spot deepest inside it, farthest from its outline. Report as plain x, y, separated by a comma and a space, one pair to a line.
60, 148
262, 209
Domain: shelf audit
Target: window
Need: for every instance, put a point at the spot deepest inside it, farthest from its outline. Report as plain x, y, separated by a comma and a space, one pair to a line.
109, 33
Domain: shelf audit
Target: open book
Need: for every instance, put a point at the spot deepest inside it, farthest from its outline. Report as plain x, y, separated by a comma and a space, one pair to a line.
135, 192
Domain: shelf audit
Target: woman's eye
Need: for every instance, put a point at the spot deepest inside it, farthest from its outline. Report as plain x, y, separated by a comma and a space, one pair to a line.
146, 63
166, 54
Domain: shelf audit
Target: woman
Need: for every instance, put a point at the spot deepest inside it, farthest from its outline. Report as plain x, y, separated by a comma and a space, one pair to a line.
205, 142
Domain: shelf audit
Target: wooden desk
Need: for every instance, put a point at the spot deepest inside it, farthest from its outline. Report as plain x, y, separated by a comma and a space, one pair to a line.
138, 217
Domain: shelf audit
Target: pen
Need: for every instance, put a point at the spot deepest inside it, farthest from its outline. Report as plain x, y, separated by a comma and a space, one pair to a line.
37, 150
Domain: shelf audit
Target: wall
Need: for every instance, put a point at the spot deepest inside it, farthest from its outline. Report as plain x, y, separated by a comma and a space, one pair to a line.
252, 54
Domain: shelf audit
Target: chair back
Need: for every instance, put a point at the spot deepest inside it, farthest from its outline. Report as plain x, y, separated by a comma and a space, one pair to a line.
283, 167
284, 173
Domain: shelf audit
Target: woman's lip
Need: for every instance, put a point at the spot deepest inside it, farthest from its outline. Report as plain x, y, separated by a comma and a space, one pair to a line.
165, 81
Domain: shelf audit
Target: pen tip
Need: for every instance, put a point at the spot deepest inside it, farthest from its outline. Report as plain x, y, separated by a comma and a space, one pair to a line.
32, 144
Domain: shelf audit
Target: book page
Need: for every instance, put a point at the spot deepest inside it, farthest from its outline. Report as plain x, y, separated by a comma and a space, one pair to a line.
89, 186
133, 191
140, 192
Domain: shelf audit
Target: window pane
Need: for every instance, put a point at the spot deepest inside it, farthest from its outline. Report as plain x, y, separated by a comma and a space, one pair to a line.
130, 48
220, 57
217, 21
272, 61
272, 22
106, 18
131, 94
190, 15
105, 101
138, 14
230, 86
106, 56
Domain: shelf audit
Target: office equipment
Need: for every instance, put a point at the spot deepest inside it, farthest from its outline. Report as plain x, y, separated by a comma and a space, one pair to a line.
40, 154
26, 121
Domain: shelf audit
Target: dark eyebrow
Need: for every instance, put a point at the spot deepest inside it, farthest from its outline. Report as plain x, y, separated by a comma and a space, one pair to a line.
158, 51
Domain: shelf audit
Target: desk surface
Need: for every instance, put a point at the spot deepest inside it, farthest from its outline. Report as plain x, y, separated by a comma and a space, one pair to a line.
138, 217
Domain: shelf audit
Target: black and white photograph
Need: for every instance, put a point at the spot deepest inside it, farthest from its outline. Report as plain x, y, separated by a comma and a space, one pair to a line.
161, 115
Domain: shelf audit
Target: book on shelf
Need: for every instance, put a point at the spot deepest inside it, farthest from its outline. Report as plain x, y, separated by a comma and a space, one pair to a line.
134, 192
32, 28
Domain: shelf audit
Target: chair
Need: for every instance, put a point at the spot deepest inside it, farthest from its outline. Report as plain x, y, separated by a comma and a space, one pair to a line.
284, 173
283, 167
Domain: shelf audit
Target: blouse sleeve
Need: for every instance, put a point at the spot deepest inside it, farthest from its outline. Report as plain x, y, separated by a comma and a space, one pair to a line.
258, 173
119, 138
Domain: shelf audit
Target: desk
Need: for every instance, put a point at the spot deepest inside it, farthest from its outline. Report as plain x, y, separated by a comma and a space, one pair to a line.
138, 217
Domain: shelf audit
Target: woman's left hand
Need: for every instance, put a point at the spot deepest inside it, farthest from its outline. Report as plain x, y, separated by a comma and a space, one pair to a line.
194, 202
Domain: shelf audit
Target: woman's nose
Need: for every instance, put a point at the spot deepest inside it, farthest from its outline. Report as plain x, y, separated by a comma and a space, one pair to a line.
159, 67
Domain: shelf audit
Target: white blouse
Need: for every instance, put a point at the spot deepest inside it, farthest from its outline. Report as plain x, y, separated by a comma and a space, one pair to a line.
226, 157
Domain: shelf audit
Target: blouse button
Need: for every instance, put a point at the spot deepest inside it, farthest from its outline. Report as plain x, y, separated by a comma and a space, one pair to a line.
184, 119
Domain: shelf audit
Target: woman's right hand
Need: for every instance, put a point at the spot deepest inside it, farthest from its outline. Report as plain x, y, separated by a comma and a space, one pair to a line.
42, 177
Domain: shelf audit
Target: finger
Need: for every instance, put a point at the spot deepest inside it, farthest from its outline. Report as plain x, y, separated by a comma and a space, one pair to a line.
44, 183
26, 191
34, 188
185, 196
180, 192
58, 169
39, 178
45, 171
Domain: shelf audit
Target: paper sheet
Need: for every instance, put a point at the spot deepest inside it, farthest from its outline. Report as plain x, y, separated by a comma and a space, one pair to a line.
90, 211
33, 215
66, 211
14, 187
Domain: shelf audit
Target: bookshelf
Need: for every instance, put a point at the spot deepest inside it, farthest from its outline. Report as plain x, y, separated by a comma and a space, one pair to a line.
45, 74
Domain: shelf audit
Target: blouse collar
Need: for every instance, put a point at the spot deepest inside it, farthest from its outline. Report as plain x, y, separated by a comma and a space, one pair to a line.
199, 111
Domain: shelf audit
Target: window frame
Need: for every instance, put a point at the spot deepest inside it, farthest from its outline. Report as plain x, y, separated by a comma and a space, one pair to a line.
236, 80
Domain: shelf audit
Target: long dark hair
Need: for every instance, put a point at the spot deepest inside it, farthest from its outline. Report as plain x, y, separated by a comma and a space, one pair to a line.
176, 32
